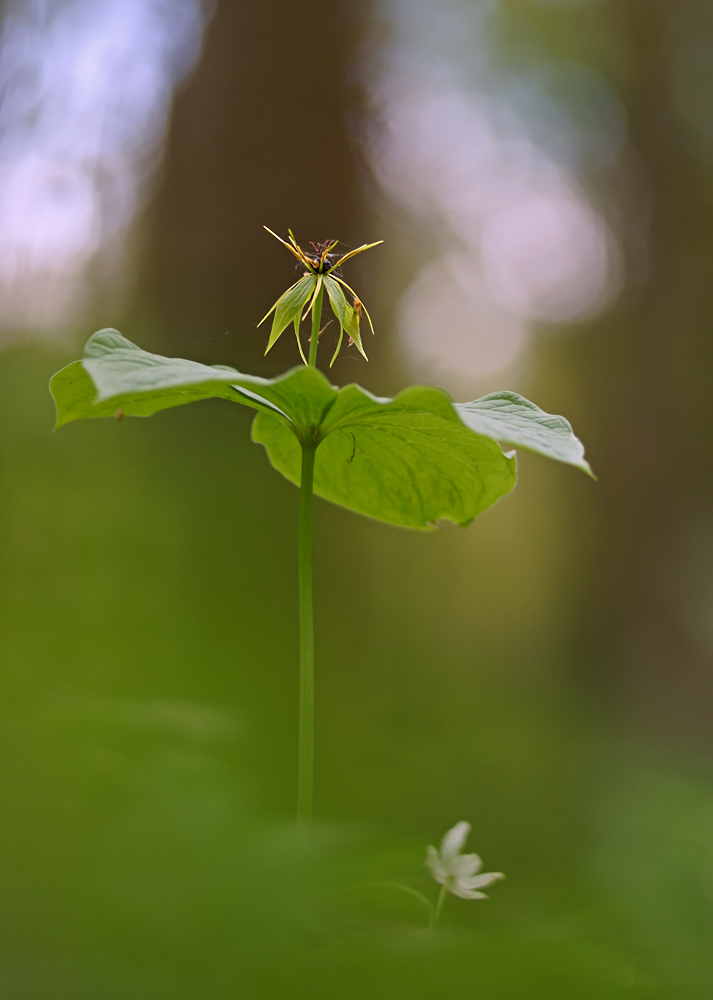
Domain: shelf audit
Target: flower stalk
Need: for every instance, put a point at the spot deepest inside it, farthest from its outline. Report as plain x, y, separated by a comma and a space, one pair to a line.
305, 773
316, 320
305, 764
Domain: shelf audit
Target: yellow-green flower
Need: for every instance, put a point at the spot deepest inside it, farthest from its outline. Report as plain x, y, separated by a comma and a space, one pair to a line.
320, 275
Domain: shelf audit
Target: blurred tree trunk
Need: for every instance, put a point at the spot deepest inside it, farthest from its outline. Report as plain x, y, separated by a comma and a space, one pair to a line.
258, 137
646, 622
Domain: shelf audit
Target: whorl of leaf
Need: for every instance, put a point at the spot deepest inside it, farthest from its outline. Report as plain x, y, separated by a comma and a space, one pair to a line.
411, 461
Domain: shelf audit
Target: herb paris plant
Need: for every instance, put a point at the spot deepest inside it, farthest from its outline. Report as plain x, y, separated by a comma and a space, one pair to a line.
412, 461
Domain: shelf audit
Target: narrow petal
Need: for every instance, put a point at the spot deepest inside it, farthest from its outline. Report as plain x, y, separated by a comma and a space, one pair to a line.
465, 865
480, 881
297, 335
353, 253
317, 287
339, 345
454, 840
298, 255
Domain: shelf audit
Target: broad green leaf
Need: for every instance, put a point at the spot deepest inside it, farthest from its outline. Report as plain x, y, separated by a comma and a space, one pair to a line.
346, 314
75, 395
124, 377
408, 461
514, 420
289, 306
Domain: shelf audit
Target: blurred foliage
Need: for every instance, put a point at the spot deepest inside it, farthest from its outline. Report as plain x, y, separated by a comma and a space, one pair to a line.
149, 725
637, 377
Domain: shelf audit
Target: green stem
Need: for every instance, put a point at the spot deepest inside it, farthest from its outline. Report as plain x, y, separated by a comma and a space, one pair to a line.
305, 780
316, 320
305, 767
437, 909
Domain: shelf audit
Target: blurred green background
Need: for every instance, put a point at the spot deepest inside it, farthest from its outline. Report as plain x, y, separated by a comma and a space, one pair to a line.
545, 674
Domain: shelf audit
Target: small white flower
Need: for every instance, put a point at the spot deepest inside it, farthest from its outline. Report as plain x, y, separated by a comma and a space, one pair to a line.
459, 872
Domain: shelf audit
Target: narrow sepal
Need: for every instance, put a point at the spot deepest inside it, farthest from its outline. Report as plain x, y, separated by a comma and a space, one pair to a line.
356, 299
346, 314
289, 306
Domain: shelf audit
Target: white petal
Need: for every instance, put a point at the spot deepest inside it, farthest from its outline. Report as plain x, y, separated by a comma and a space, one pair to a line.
458, 890
480, 881
465, 865
434, 862
454, 840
